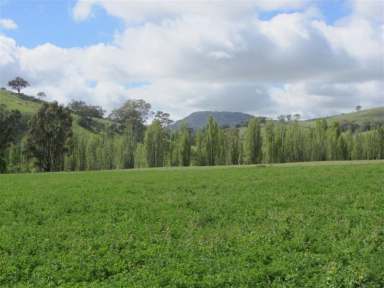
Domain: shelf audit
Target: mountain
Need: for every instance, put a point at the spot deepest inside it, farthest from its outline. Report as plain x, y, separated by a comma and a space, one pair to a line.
199, 119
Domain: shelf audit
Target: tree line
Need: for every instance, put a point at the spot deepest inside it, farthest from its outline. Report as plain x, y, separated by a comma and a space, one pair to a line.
49, 141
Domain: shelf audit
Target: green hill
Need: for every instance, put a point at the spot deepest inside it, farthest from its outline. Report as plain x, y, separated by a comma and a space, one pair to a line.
29, 105
359, 117
23, 103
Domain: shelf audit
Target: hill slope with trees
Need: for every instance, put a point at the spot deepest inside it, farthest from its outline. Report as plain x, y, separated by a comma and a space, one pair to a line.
33, 129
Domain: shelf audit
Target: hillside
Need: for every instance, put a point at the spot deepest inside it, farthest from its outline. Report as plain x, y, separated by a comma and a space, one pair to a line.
199, 119
29, 105
23, 103
360, 117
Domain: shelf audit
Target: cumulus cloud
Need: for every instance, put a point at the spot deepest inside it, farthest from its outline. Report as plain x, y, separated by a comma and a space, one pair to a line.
215, 55
8, 24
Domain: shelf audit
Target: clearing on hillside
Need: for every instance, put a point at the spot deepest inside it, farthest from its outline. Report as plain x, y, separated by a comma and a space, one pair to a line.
279, 226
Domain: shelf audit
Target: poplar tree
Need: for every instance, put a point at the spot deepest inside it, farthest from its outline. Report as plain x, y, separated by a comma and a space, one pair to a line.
253, 142
212, 141
154, 143
184, 145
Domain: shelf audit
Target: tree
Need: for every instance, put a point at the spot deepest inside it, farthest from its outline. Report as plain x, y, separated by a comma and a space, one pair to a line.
133, 112
163, 118
200, 156
211, 141
269, 141
233, 146
140, 156
253, 142
129, 147
87, 114
358, 108
9, 130
18, 83
154, 143
184, 145
41, 95
83, 109
49, 136
281, 118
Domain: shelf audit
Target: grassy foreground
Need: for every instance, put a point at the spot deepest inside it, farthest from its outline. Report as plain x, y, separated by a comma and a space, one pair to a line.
293, 226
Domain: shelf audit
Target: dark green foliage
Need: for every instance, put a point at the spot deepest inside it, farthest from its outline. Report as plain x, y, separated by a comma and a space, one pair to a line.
233, 146
184, 145
163, 118
11, 125
253, 142
49, 136
133, 113
299, 226
87, 115
83, 109
212, 141
18, 83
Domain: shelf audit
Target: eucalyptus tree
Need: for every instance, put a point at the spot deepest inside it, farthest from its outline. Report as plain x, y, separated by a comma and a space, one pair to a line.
49, 136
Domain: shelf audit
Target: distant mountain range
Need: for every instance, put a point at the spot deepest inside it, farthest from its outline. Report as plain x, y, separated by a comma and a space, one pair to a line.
224, 119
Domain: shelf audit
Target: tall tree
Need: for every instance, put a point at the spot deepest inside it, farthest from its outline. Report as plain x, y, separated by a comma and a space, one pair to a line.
233, 146
253, 142
184, 145
269, 142
163, 118
18, 84
212, 141
49, 135
200, 156
154, 143
130, 142
9, 130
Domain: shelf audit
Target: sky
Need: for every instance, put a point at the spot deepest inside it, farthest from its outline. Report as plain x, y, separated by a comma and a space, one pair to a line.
264, 57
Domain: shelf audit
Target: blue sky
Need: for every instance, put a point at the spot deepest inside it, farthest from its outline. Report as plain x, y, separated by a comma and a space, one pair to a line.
264, 57
41, 21
51, 21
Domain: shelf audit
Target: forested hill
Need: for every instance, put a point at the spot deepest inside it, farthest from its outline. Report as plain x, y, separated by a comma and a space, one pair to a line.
224, 119
50, 141
30, 105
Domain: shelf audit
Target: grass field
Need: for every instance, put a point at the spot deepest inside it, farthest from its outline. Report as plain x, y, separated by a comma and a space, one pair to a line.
278, 226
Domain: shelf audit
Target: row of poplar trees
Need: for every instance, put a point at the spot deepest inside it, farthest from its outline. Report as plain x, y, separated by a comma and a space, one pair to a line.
51, 145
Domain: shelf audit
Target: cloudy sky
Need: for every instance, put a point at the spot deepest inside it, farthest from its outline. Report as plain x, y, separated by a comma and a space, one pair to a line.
265, 57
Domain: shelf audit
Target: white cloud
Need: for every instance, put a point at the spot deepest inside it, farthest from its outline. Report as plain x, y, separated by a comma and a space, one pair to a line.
199, 57
8, 24
149, 10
